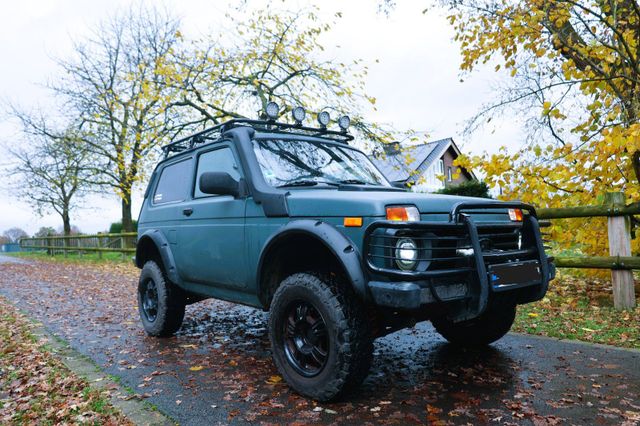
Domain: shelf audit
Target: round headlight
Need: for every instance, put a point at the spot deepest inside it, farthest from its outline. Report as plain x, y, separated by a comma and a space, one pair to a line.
272, 110
344, 122
406, 254
323, 118
298, 114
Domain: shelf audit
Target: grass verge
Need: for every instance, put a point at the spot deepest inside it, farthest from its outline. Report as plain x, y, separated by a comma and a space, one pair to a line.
580, 308
36, 388
107, 257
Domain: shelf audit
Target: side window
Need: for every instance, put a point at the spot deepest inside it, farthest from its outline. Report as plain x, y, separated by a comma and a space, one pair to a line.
174, 183
219, 160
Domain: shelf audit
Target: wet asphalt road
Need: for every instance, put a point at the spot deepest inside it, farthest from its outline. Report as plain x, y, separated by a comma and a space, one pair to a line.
218, 370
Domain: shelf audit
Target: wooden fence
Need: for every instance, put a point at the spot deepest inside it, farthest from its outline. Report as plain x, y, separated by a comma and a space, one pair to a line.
119, 243
620, 260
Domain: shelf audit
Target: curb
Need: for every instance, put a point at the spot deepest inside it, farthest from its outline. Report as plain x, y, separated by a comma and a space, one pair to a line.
139, 412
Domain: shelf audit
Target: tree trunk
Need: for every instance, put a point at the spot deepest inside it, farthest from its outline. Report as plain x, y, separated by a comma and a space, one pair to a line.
127, 222
66, 221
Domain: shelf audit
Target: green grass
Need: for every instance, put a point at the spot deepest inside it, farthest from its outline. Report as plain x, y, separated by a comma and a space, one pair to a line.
579, 308
75, 257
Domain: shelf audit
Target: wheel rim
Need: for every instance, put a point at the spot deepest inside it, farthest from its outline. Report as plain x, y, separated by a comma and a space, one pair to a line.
306, 342
149, 297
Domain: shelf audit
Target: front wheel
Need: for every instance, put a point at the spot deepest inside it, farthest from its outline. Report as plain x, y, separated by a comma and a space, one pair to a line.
160, 304
319, 338
492, 325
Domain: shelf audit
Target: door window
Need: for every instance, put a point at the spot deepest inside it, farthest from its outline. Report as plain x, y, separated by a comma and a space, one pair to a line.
173, 185
219, 160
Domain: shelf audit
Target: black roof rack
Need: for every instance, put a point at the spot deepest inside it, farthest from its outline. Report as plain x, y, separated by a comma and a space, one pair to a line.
214, 133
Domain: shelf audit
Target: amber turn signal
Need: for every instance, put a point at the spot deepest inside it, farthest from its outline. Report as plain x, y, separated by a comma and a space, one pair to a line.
352, 221
515, 215
403, 213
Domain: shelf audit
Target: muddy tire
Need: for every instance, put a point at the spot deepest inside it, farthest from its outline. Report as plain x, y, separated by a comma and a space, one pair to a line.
160, 303
320, 340
487, 328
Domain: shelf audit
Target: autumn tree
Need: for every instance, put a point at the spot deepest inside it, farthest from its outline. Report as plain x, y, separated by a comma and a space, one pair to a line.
53, 169
114, 84
272, 55
575, 65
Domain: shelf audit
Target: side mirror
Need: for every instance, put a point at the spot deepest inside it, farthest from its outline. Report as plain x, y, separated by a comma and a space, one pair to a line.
219, 183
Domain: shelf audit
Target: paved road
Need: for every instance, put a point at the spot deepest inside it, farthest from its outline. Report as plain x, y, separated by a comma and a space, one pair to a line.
218, 369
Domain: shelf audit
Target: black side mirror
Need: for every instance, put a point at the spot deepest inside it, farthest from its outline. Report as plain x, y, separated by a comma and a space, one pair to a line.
220, 183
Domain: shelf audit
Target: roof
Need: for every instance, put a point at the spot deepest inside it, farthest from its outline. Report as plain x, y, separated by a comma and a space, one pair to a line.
394, 164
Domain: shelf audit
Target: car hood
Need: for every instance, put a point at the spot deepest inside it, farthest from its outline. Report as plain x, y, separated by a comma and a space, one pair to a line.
333, 202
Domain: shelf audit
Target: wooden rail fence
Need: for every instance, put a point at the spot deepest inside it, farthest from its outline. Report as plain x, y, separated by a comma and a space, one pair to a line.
620, 260
119, 243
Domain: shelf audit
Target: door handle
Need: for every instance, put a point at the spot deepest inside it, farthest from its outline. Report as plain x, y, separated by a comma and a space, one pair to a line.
188, 211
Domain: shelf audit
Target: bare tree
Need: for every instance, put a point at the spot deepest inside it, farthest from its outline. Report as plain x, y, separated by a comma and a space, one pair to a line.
115, 85
14, 234
53, 170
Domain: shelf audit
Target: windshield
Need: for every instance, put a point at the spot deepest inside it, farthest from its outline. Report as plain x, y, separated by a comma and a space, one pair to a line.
305, 163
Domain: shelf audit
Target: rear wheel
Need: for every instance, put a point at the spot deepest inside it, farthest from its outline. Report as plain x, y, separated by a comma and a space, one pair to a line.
319, 339
492, 325
160, 303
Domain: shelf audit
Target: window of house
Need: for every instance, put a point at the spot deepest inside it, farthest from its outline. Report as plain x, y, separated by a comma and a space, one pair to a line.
173, 185
219, 160
449, 173
440, 169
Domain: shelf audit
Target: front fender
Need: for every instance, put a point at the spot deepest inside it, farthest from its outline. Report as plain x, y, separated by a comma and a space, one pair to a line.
342, 248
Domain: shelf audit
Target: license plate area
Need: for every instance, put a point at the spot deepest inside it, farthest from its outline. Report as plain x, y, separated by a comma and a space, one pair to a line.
509, 276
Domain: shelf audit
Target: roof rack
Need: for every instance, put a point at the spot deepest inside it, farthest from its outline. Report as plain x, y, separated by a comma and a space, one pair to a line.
214, 133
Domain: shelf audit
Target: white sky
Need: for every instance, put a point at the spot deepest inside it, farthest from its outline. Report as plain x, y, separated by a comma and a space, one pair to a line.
416, 81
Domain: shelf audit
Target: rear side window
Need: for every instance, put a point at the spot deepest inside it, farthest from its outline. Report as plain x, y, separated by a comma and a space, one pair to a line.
173, 185
219, 160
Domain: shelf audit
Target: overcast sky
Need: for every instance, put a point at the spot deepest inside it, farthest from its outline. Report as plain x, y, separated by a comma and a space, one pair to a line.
416, 79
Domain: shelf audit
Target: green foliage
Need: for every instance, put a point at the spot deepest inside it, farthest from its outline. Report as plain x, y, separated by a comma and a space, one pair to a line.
116, 227
472, 188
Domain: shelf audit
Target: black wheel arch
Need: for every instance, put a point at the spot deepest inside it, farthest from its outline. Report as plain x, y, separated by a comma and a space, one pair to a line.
314, 235
153, 245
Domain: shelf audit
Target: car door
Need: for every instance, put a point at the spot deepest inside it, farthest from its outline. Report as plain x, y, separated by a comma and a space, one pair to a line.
211, 239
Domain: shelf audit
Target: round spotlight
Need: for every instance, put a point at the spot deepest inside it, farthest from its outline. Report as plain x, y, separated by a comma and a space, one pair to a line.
298, 114
324, 118
344, 122
272, 110
406, 254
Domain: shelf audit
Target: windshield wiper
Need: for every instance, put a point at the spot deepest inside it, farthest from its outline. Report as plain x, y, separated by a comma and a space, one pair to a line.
306, 182
353, 182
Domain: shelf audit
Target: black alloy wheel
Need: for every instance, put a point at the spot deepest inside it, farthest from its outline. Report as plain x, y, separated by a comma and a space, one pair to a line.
306, 343
149, 296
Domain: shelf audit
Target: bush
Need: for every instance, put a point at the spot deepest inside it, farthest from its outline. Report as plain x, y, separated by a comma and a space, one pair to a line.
116, 227
472, 188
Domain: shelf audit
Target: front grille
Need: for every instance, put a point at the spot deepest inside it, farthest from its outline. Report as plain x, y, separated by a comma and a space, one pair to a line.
446, 249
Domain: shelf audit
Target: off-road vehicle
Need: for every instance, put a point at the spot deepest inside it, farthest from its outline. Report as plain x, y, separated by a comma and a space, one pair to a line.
294, 220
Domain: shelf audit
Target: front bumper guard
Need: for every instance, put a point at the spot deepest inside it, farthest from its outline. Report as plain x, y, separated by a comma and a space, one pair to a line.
411, 289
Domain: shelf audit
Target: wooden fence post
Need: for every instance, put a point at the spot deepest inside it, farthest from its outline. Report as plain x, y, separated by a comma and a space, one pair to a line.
620, 245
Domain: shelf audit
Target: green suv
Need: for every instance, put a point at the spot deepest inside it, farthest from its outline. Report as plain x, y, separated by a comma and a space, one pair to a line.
293, 220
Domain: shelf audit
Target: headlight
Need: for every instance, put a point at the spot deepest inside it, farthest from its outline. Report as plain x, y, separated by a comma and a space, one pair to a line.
406, 254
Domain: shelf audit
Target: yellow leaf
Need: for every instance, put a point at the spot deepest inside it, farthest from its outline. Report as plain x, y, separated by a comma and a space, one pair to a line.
233, 363
274, 380
533, 315
196, 368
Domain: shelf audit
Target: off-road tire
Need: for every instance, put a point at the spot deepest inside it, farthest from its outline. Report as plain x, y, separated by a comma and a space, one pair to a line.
350, 348
170, 302
487, 328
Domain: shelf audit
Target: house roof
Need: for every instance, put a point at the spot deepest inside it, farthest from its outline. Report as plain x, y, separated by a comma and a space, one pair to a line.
394, 164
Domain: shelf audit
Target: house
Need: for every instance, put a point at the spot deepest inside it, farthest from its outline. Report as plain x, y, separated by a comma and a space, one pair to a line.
421, 167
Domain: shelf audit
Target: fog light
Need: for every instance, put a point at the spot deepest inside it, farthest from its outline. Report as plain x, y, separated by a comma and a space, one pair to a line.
406, 254
324, 118
272, 110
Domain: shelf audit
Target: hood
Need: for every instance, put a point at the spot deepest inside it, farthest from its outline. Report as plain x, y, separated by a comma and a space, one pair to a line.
332, 202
